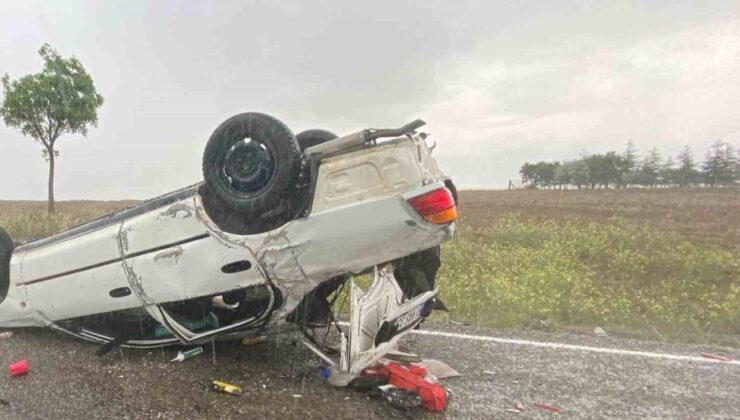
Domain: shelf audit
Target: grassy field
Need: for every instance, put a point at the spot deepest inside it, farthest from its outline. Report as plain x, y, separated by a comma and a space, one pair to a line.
664, 263
25, 220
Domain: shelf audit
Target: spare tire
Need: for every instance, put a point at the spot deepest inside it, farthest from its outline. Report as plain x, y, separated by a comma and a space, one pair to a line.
250, 167
313, 137
6, 252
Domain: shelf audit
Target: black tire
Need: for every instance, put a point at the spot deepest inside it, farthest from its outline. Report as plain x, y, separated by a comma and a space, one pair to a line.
6, 252
313, 137
250, 167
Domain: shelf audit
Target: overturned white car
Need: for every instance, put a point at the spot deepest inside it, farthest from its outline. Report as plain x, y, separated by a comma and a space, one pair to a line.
279, 225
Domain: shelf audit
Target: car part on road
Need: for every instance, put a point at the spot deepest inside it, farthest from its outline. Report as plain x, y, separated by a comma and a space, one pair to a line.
403, 357
434, 397
367, 383
187, 354
250, 166
400, 400
439, 369
310, 138
227, 388
18, 368
547, 407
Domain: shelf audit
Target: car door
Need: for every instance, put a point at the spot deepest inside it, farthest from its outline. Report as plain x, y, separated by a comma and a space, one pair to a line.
77, 276
171, 258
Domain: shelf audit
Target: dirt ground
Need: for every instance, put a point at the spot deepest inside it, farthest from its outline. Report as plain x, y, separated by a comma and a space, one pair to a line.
280, 380
708, 215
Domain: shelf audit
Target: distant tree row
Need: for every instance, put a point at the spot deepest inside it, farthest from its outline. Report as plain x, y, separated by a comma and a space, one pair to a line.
721, 167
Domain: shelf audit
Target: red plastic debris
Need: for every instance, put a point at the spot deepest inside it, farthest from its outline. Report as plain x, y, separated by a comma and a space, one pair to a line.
715, 357
416, 370
547, 407
433, 396
19, 368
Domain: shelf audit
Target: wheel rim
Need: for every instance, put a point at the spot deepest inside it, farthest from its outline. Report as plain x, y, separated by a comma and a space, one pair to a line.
248, 166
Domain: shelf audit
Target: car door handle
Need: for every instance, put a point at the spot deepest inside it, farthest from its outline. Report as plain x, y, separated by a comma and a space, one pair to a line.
120, 292
236, 267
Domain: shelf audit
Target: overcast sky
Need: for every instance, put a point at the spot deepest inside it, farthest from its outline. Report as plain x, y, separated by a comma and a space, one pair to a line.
499, 83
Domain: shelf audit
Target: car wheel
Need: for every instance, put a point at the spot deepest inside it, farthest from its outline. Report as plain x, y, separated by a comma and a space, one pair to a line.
6, 252
250, 167
314, 137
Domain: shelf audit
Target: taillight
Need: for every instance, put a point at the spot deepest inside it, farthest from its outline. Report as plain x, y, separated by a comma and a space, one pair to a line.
436, 206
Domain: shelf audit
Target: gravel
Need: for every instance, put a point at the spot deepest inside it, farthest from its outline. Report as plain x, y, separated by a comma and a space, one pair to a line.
279, 377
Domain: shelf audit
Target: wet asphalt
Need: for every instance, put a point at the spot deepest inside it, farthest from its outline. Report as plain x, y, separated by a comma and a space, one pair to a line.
280, 380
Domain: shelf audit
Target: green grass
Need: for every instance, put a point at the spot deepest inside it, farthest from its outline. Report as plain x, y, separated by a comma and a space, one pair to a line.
517, 273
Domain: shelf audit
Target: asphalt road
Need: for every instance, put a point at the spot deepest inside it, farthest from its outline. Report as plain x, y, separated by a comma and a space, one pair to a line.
67, 380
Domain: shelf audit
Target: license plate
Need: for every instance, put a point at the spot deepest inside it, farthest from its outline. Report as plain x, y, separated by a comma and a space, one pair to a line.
408, 318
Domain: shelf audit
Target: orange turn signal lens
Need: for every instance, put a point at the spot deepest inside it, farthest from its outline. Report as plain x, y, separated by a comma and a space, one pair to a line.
446, 216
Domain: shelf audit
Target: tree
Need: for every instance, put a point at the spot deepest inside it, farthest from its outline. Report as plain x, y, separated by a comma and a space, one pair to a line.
628, 164
61, 99
546, 172
538, 174
686, 173
604, 169
562, 175
732, 163
720, 164
529, 175
667, 172
650, 171
578, 172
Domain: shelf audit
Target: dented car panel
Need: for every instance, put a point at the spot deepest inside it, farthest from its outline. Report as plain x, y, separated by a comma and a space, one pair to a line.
153, 266
379, 317
381, 171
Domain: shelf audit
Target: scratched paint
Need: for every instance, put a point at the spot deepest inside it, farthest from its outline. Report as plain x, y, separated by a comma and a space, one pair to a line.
172, 254
177, 210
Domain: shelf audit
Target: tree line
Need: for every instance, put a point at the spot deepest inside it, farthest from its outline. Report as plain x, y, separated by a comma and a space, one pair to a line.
720, 167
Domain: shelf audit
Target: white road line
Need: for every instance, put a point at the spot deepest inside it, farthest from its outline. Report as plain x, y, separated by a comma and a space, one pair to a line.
561, 346
575, 347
